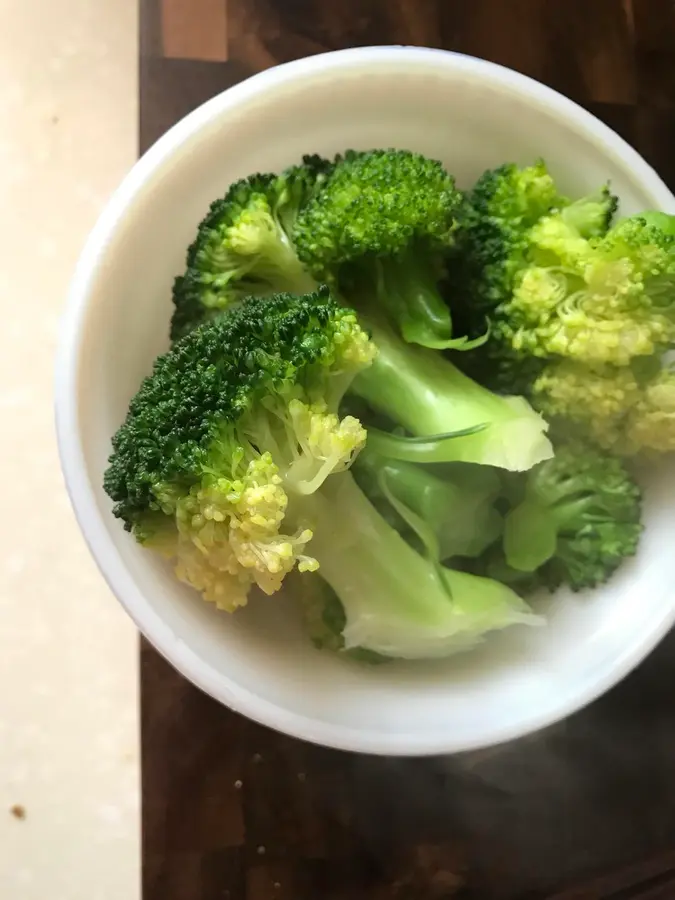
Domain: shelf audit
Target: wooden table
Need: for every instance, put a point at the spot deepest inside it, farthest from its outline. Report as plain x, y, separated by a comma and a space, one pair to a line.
584, 810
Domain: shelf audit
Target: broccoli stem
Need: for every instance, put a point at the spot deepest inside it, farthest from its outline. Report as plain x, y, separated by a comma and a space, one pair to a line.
407, 289
397, 603
531, 530
427, 395
458, 508
278, 265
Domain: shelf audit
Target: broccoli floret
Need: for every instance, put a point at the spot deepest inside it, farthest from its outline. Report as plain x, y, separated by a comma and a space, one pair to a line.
621, 409
379, 228
650, 424
448, 510
580, 518
428, 396
492, 240
243, 246
236, 419
496, 244
606, 300
395, 602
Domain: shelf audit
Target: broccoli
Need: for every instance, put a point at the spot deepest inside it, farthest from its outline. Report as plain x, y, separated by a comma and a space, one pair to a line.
448, 510
396, 602
579, 520
650, 424
243, 245
494, 240
324, 618
494, 220
494, 246
599, 301
236, 419
419, 390
627, 410
234, 437
424, 393
378, 228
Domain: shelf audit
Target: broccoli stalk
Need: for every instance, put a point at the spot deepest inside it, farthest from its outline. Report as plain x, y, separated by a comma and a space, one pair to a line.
405, 288
580, 517
450, 512
428, 396
396, 602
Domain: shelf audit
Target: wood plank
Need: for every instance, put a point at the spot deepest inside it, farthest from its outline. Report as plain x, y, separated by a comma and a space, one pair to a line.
194, 29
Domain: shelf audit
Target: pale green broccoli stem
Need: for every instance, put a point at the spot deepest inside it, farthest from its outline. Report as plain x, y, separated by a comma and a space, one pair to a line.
408, 290
396, 602
279, 265
427, 395
531, 530
457, 510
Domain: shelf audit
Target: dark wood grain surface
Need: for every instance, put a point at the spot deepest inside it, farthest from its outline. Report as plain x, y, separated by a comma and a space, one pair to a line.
582, 811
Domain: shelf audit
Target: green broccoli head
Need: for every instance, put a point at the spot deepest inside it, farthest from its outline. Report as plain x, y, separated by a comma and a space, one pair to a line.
237, 417
621, 409
498, 248
580, 519
378, 228
243, 245
605, 300
496, 217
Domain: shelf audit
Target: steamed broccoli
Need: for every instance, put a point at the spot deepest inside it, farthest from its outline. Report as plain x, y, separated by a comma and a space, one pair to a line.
428, 396
492, 240
494, 246
234, 437
622, 409
378, 228
243, 246
419, 390
235, 421
397, 603
448, 510
599, 301
495, 240
579, 520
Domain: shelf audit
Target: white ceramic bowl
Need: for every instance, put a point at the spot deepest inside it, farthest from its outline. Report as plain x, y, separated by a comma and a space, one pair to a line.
472, 115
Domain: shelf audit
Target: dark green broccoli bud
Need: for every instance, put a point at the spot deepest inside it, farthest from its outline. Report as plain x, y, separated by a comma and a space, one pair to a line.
379, 228
579, 520
239, 415
243, 246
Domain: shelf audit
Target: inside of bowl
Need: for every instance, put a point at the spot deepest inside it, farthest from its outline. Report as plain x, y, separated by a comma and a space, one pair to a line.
259, 660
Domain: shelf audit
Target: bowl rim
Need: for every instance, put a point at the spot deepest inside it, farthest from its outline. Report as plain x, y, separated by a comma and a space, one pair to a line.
71, 451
